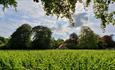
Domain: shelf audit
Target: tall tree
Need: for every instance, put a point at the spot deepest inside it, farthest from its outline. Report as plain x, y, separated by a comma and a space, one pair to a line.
21, 38
41, 37
100, 42
87, 39
72, 42
109, 41
66, 8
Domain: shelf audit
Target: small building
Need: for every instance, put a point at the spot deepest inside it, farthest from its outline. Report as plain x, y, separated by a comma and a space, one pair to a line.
62, 46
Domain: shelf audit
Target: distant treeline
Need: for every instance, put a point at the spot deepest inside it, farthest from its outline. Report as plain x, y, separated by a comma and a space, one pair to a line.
40, 37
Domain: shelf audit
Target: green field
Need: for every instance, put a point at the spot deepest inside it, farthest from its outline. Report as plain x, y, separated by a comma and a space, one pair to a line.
57, 60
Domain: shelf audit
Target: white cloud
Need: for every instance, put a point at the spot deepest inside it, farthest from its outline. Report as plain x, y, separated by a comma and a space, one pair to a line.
32, 13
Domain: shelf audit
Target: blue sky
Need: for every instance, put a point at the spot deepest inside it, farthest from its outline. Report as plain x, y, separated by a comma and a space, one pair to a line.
33, 14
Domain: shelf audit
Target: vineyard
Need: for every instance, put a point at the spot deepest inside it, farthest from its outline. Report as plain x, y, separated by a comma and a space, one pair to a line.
57, 60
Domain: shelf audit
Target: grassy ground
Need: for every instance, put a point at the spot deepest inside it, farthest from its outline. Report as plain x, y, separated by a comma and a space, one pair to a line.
57, 60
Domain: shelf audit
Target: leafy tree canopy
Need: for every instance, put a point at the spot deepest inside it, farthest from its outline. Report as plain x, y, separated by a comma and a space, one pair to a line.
3, 41
41, 37
108, 40
87, 39
21, 38
66, 8
72, 42
7, 3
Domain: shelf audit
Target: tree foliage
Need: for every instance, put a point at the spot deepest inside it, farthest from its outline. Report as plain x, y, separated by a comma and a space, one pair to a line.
72, 42
100, 42
56, 43
109, 42
7, 3
3, 42
87, 39
21, 38
41, 37
66, 8
101, 10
